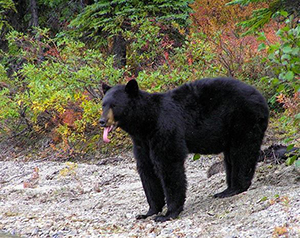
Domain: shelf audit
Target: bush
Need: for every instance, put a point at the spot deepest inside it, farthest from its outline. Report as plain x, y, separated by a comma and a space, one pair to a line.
283, 81
283, 58
283, 62
51, 86
195, 59
55, 89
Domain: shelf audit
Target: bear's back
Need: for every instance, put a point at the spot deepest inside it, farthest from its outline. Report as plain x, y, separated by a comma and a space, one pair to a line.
219, 107
208, 94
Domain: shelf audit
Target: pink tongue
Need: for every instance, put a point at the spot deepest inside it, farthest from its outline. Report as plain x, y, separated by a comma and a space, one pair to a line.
105, 134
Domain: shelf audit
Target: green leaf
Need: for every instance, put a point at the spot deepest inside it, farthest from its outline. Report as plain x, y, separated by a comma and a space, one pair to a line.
287, 140
285, 57
291, 160
289, 75
297, 116
274, 47
263, 199
283, 13
262, 46
287, 49
295, 51
290, 147
262, 37
271, 56
196, 157
297, 163
275, 81
280, 88
263, 60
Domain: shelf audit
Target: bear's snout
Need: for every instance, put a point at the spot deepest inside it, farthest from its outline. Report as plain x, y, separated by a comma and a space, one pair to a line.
107, 118
102, 122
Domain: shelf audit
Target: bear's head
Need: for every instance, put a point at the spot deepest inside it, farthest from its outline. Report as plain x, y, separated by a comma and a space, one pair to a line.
116, 105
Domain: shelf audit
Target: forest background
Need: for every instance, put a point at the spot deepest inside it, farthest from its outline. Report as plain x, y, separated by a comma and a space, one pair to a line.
55, 54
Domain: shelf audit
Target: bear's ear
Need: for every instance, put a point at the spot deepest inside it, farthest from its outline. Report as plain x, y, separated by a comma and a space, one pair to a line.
105, 87
132, 88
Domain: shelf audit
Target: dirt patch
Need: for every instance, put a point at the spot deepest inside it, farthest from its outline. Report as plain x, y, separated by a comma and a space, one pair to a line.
101, 199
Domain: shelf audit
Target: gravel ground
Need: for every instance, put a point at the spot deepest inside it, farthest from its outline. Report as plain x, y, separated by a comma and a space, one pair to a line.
101, 199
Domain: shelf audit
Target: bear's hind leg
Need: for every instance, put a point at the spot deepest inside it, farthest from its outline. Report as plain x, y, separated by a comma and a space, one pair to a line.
228, 168
240, 168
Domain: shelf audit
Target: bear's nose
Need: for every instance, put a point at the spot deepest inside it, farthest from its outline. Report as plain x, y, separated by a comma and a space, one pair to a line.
102, 122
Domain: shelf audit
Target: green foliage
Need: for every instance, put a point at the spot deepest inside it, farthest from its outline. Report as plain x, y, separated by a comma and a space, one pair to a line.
55, 94
106, 18
295, 158
194, 60
283, 61
198, 56
283, 58
292, 160
56, 78
258, 19
297, 164
263, 199
262, 16
5, 6
196, 157
244, 2
8, 106
56, 14
51, 84
145, 43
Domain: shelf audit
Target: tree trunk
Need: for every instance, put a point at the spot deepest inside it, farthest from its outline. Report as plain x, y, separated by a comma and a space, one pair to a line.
119, 51
34, 13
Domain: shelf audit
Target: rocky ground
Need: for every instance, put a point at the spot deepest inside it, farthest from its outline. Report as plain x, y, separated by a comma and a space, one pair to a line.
102, 198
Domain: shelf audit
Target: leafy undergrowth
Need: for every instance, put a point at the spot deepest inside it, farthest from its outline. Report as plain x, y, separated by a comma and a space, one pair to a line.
50, 86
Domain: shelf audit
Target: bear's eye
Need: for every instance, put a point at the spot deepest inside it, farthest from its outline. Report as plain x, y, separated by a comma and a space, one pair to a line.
112, 105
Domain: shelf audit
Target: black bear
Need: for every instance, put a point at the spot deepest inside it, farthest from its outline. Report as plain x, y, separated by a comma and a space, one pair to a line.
207, 116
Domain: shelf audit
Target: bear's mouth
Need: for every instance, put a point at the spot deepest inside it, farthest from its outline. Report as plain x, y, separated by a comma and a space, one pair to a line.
106, 131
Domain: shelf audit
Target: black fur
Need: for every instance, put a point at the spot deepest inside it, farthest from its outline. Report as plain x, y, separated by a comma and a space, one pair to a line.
207, 116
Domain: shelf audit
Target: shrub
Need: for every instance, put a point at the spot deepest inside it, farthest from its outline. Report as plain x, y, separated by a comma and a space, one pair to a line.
283, 81
283, 61
195, 59
54, 90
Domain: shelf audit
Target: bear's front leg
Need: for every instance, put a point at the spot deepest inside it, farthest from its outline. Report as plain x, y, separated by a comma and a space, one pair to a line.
150, 181
170, 169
